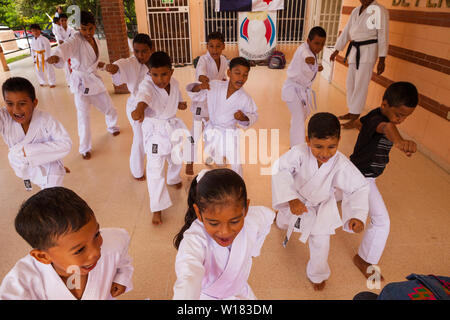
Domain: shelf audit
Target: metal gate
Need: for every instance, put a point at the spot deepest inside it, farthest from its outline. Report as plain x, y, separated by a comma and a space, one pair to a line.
326, 13
168, 22
290, 22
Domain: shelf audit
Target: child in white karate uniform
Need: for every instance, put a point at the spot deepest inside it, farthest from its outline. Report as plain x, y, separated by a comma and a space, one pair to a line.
63, 33
132, 71
158, 100
37, 142
303, 190
221, 235
86, 85
72, 258
210, 66
41, 51
230, 108
296, 91
371, 155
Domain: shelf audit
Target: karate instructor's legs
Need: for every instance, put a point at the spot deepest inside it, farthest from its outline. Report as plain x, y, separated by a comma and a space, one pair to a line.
317, 269
377, 231
357, 85
299, 114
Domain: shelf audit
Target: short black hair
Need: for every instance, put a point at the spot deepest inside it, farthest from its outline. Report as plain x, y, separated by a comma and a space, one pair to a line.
324, 125
317, 31
160, 59
49, 214
401, 93
63, 15
19, 84
216, 35
86, 17
55, 19
35, 26
144, 39
239, 61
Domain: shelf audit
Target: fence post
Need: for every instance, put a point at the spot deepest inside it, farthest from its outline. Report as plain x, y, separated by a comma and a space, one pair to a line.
3, 64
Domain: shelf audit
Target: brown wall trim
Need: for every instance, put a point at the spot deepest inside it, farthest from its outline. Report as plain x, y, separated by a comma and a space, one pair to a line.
427, 103
440, 19
425, 60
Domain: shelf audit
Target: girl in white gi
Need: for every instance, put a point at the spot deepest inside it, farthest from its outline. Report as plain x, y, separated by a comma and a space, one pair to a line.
158, 100
367, 30
86, 85
296, 91
220, 237
40, 51
37, 142
63, 33
303, 190
132, 72
211, 66
72, 258
371, 154
229, 106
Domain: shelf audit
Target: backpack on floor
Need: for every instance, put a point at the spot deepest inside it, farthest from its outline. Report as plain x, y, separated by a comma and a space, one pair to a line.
277, 60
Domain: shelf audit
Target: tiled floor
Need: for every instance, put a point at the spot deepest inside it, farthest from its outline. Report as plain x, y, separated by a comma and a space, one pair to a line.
416, 192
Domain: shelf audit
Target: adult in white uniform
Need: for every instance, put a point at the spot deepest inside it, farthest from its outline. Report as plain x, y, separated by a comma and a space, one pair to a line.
367, 31
219, 239
37, 142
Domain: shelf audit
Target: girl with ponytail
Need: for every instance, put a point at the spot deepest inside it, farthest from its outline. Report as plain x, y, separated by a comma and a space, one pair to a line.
220, 236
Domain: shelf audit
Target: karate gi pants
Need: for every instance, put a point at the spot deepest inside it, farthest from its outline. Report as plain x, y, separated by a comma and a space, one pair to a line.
156, 182
48, 68
377, 231
317, 268
103, 103
357, 86
299, 113
137, 155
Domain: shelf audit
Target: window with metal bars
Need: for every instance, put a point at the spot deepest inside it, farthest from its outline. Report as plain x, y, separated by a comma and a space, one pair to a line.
290, 22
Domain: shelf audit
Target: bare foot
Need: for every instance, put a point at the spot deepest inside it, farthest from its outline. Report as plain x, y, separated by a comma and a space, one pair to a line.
318, 286
177, 186
352, 124
156, 218
363, 266
86, 156
348, 116
52, 86
67, 170
116, 133
143, 178
43, 85
189, 169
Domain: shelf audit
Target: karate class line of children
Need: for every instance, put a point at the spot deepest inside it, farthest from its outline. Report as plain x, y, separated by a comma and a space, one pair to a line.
222, 232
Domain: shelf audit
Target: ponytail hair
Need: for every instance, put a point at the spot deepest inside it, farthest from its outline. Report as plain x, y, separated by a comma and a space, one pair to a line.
190, 214
216, 187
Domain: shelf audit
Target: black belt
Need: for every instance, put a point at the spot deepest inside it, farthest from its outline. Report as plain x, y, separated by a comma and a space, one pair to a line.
357, 44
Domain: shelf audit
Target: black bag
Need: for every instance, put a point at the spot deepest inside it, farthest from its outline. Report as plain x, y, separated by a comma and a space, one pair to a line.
277, 60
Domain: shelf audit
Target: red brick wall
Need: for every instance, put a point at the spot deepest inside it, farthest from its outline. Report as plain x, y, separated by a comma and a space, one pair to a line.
113, 14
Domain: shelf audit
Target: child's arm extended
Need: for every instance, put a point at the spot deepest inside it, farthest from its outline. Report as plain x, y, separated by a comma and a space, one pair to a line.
200, 86
64, 52
389, 129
